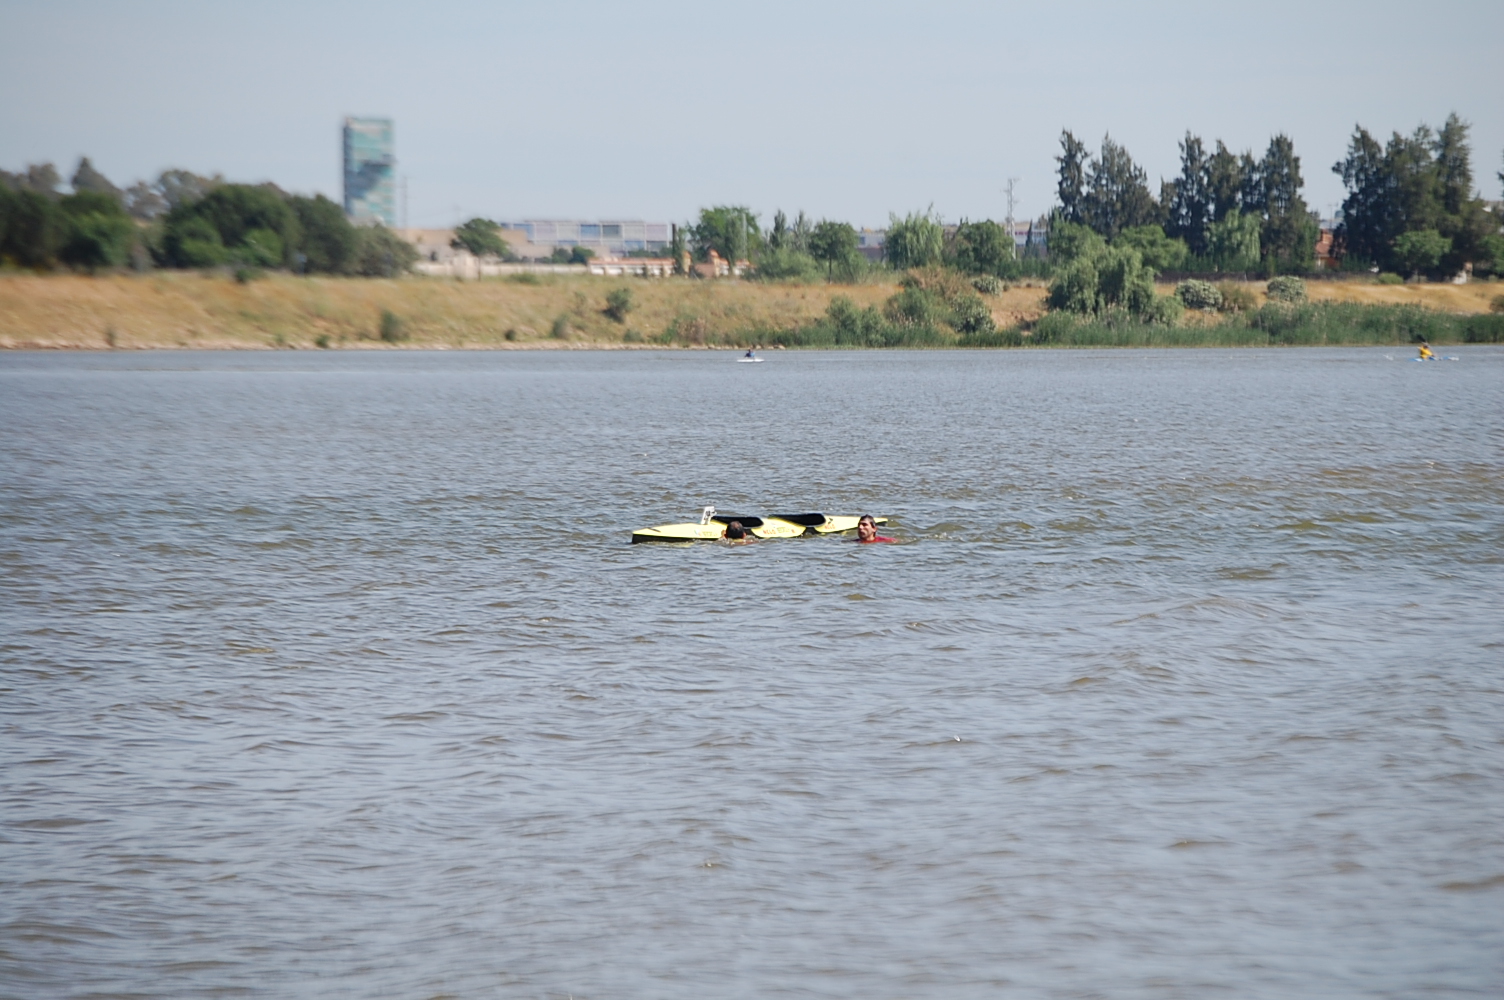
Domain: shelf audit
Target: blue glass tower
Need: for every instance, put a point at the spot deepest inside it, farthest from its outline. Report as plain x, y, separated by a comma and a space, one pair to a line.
370, 168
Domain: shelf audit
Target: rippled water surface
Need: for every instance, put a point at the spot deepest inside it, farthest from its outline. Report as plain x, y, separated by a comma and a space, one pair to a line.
333, 675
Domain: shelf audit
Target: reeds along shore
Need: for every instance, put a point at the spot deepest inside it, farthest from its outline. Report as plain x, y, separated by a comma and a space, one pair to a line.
214, 311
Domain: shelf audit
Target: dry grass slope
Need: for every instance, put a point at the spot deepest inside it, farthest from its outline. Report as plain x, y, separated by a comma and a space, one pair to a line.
189, 310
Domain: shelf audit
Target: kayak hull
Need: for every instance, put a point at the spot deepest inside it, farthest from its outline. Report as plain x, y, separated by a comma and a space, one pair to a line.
784, 526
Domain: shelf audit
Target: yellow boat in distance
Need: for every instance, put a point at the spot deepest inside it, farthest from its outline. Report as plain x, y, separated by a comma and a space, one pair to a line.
711, 525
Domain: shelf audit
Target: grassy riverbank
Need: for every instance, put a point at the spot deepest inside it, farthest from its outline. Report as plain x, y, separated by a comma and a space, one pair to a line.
189, 310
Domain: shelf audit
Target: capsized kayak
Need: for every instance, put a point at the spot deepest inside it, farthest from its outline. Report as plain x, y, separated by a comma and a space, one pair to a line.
712, 524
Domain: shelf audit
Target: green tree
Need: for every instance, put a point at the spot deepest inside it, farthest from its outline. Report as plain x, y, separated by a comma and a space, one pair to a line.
916, 240
1070, 241
1189, 208
1104, 279
1367, 211
1071, 186
1421, 250
1225, 174
832, 243
39, 178
799, 234
1233, 243
244, 218
677, 248
730, 230
980, 247
86, 178
483, 238
381, 253
1464, 218
192, 241
143, 201
96, 231
1288, 234
260, 247
1158, 251
329, 242
1416, 182
1117, 195
183, 187
778, 235
31, 227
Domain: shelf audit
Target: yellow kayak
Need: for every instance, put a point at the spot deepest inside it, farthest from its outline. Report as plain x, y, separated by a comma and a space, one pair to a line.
711, 525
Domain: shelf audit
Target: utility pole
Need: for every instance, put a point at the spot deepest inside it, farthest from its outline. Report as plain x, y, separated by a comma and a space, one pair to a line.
1009, 189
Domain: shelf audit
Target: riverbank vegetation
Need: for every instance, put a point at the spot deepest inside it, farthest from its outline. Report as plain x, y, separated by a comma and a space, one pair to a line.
937, 307
1089, 273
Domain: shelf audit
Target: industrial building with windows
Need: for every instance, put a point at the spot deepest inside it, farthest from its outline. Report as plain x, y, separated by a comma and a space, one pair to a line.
603, 239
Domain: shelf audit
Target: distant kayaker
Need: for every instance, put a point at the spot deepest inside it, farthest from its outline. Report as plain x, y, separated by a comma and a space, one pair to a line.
1425, 352
738, 535
866, 531
749, 354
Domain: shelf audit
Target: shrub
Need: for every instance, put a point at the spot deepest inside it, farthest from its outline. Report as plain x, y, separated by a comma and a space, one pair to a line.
989, 285
1497, 304
783, 264
1195, 294
392, 329
1236, 297
912, 306
1484, 329
1287, 288
1103, 278
1162, 310
560, 329
970, 316
1389, 278
618, 304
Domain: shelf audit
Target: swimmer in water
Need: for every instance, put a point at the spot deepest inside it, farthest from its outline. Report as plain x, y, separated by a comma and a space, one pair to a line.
738, 535
866, 531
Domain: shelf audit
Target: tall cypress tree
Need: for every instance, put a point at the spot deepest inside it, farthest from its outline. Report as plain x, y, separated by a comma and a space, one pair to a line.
1289, 234
1071, 188
1364, 230
1189, 203
1224, 181
1117, 194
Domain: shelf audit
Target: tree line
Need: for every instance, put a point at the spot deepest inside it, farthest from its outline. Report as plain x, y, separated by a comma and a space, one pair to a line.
1411, 206
183, 220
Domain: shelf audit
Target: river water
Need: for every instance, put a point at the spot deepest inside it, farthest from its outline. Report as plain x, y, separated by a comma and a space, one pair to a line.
334, 675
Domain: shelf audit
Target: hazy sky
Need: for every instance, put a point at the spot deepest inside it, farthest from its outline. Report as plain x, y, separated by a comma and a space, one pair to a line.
643, 110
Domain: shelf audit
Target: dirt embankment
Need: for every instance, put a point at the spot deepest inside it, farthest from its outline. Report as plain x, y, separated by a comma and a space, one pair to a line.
189, 310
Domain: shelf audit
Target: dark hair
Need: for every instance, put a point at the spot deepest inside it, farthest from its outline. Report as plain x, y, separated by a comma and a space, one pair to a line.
867, 517
735, 530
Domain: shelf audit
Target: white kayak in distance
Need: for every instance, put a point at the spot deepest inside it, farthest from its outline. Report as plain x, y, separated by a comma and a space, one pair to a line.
711, 526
